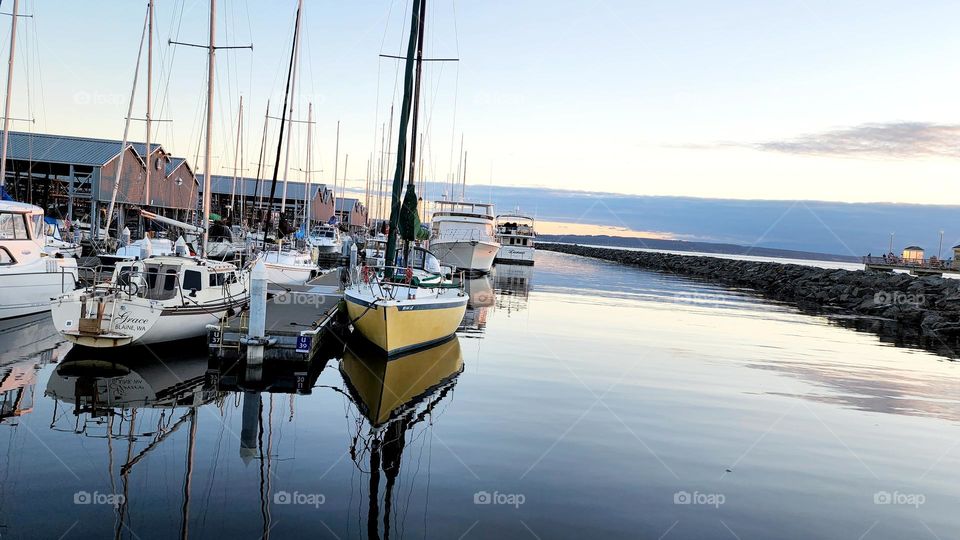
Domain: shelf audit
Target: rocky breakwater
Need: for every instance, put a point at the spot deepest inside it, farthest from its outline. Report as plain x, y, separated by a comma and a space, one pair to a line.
926, 307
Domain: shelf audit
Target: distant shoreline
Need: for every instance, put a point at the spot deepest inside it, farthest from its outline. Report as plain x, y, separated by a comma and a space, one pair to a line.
697, 247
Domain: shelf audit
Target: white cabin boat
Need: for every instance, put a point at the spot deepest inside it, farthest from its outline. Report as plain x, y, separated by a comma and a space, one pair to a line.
325, 240
289, 266
154, 300
29, 277
517, 236
463, 236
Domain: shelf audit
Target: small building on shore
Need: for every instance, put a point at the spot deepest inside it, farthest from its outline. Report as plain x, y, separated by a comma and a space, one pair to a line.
352, 214
912, 254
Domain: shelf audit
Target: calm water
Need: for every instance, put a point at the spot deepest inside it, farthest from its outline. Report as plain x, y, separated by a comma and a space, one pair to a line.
586, 400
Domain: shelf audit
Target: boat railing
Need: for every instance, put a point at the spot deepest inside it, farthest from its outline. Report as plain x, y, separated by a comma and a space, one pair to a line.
933, 263
465, 235
375, 278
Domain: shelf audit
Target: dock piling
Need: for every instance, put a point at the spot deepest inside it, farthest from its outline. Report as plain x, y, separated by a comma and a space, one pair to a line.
258, 313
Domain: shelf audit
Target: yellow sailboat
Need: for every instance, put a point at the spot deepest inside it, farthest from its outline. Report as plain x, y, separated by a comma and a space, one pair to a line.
404, 307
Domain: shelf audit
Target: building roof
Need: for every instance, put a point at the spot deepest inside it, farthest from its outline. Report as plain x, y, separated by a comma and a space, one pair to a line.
913, 248
346, 203
64, 149
223, 185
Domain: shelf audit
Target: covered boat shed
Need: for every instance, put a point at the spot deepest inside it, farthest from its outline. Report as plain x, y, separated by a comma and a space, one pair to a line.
72, 177
250, 192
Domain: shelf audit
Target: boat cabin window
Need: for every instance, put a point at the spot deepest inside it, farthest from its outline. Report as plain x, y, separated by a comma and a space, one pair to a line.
217, 279
37, 220
161, 281
192, 280
13, 227
5, 258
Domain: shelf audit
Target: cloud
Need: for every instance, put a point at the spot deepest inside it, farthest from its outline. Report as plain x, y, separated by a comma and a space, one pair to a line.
890, 140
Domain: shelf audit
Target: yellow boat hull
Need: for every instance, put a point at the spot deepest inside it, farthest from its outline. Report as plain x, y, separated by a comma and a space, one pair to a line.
401, 327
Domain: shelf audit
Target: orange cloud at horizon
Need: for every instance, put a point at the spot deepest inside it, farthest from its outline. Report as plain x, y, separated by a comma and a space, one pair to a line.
562, 227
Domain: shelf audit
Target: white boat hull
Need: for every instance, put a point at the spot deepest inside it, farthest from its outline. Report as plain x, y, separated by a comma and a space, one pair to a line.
128, 321
30, 290
472, 255
288, 274
515, 255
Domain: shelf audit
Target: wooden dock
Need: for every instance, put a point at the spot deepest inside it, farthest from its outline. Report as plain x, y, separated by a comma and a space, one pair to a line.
917, 267
296, 320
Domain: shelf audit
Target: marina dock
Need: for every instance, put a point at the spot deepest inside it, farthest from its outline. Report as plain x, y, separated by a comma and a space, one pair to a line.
297, 317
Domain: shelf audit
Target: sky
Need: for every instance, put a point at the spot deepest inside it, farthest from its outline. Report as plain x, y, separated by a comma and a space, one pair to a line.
797, 99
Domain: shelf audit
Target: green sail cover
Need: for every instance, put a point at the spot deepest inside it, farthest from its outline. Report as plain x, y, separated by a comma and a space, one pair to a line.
409, 225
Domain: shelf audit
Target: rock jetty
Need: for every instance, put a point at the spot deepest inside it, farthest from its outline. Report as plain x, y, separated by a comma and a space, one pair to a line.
922, 306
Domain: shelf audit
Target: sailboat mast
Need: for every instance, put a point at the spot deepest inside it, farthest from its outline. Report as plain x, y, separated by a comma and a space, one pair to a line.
236, 153
283, 112
263, 153
146, 188
398, 177
306, 191
95, 222
336, 165
293, 92
6, 106
416, 95
211, 58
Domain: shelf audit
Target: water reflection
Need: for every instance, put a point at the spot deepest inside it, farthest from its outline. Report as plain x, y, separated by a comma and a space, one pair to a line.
481, 301
512, 284
138, 402
26, 345
395, 397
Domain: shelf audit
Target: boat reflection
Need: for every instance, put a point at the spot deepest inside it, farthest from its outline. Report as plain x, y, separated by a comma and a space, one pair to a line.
394, 398
138, 402
481, 301
512, 284
26, 345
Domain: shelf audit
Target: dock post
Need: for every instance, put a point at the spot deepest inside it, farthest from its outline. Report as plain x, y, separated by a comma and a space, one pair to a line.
353, 258
258, 313
125, 236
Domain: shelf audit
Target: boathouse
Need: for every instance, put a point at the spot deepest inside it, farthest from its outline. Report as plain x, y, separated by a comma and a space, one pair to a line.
73, 177
247, 194
352, 214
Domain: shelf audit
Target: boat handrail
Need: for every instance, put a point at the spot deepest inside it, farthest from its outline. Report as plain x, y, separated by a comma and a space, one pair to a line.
470, 234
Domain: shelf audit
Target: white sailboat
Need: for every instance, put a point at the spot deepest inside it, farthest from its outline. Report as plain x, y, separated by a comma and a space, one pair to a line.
158, 298
29, 277
395, 309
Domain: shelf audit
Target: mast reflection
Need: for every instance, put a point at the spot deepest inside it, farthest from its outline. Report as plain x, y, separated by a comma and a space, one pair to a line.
393, 396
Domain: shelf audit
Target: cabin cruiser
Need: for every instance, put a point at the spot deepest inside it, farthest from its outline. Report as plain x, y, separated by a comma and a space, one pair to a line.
324, 240
463, 236
152, 300
289, 266
413, 308
516, 235
29, 277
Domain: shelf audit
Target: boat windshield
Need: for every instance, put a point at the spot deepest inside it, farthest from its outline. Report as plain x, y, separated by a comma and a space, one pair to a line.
13, 227
424, 260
